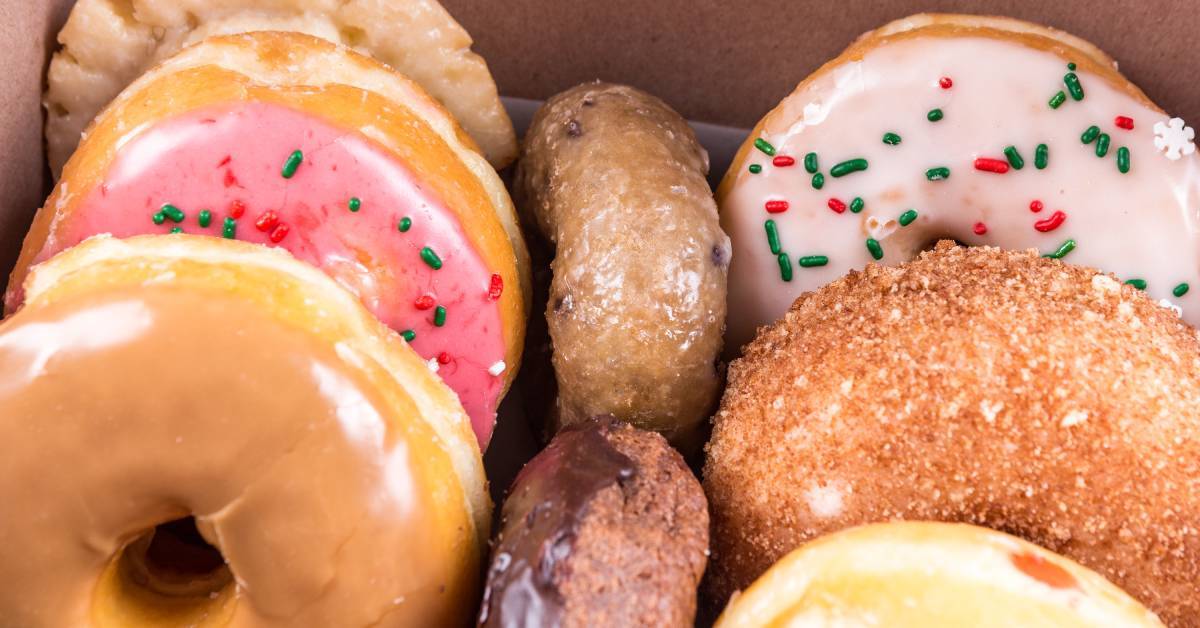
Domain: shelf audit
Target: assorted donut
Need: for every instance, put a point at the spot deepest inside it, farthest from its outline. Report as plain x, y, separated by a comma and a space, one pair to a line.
265, 321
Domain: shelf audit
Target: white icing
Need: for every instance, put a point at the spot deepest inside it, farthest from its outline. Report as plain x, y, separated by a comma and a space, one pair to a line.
1144, 224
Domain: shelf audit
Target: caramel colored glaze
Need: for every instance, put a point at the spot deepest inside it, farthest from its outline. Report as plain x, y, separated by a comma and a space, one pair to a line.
132, 406
615, 180
970, 385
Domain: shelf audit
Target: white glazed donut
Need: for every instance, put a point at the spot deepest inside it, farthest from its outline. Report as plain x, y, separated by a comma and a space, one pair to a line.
988, 131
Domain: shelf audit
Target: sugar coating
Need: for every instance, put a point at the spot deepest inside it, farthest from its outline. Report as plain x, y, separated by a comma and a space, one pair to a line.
994, 388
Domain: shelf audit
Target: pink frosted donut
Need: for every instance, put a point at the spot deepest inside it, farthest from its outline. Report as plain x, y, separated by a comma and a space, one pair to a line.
988, 131
273, 139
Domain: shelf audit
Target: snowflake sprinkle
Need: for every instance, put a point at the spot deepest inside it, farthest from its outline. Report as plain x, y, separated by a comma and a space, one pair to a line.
1174, 138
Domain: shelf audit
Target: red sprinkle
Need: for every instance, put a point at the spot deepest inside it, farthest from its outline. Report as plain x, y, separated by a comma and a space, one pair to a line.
236, 209
980, 228
1044, 571
496, 287
946, 82
443, 358
1124, 122
266, 221
279, 233
783, 161
1036, 206
836, 205
230, 180
225, 162
1050, 224
998, 166
425, 302
777, 207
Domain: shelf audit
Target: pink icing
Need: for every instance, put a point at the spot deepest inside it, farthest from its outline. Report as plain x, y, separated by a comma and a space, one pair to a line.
215, 158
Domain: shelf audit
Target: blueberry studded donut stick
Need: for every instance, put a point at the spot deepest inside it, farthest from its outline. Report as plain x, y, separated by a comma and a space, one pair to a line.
988, 131
616, 182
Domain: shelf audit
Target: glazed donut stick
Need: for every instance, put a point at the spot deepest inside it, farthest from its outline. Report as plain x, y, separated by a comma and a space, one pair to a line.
107, 44
913, 575
988, 131
163, 380
615, 180
605, 527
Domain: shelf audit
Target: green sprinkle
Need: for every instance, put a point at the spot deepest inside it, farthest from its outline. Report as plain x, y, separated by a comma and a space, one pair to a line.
1090, 134
405, 224
1062, 250
856, 205
875, 248
1058, 99
229, 231
907, 218
773, 237
1102, 144
811, 165
812, 261
293, 162
1123, 160
848, 166
409, 335
159, 218
355, 204
818, 181
1140, 284
785, 267
891, 139
934, 115
439, 316
755, 168
1014, 158
937, 174
174, 213
176, 229
1071, 66
1073, 86
1180, 290
205, 218
764, 146
1041, 157
431, 258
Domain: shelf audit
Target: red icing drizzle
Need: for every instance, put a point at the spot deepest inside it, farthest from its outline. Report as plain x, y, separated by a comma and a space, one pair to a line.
1044, 571
228, 160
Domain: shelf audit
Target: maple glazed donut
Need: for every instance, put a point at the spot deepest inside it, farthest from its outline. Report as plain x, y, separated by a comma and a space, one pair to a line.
615, 180
988, 131
338, 478
287, 140
974, 385
930, 574
106, 45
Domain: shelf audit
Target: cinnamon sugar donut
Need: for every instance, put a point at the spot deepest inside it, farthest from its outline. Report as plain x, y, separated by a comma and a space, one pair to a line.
970, 385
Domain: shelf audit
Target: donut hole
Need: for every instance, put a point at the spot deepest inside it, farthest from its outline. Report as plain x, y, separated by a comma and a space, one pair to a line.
168, 576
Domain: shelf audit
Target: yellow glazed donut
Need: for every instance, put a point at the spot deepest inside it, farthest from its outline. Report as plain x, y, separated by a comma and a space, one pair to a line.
161, 377
989, 131
913, 575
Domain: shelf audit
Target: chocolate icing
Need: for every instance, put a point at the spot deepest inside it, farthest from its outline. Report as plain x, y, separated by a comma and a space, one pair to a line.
541, 520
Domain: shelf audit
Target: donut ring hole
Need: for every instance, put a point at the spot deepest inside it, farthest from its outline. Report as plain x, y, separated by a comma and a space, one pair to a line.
168, 576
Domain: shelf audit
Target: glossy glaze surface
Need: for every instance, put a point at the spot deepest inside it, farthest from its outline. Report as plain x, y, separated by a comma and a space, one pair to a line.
323, 497
229, 160
1142, 224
